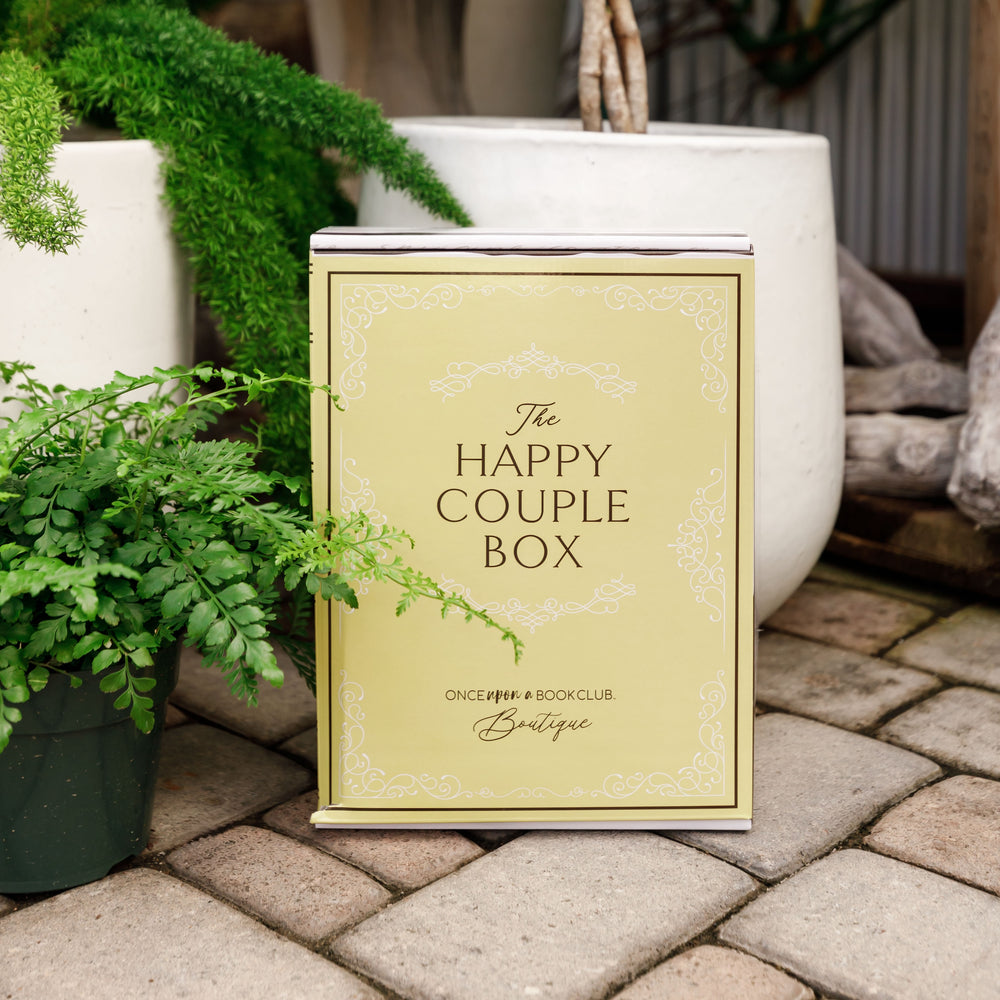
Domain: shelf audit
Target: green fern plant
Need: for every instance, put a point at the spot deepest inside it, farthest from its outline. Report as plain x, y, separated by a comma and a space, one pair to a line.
247, 173
124, 529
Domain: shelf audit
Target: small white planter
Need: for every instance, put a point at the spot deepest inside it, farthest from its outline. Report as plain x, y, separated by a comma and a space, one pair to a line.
774, 185
119, 301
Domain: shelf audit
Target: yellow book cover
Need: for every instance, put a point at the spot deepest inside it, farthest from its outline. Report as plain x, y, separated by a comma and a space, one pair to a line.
565, 425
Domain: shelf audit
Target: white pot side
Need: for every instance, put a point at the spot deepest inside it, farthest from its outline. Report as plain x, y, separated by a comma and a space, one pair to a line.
773, 185
121, 299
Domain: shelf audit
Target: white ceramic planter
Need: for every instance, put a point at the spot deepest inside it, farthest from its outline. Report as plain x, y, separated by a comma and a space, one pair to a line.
119, 301
773, 185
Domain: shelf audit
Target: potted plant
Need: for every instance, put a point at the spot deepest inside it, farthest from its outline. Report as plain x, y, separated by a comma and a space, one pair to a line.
125, 531
245, 139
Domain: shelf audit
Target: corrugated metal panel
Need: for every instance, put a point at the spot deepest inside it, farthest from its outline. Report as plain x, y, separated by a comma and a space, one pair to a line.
893, 107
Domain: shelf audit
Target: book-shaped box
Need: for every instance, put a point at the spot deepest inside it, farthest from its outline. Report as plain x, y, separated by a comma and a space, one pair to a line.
565, 426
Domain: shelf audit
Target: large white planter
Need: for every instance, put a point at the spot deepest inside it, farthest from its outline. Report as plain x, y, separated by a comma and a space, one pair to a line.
119, 301
773, 185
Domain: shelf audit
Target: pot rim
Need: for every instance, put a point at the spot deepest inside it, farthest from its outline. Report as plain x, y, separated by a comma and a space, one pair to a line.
569, 131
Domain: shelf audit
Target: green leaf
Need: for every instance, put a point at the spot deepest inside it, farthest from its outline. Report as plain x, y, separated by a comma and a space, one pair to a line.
72, 499
219, 633
38, 678
87, 644
247, 614
105, 658
144, 683
237, 593
260, 655
142, 715
177, 599
235, 649
222, 569
33, 506
201, 617
11, 675
17, 694
48, 633
140, 657
113, 435
113, 681
156, 580
336, 588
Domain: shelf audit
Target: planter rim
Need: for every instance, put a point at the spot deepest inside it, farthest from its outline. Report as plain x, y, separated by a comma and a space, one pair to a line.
569, 131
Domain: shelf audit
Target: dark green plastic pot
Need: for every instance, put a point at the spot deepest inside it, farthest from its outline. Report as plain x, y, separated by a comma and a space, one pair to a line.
77, 783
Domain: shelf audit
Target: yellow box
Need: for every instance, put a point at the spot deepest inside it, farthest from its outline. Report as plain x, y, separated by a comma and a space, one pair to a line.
565, 425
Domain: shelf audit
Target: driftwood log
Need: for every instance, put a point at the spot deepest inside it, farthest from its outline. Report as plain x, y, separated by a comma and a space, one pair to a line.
975, 480
922, 384
879, 326
903, 456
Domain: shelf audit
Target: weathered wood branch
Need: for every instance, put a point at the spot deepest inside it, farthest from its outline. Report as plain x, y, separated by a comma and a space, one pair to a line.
589, 74
932, 385
612, 64
975, 480
633, 60
879, 326
613, 84
902, 456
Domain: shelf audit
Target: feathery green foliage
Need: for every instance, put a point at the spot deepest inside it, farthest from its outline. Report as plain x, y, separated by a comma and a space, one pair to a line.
247, 178
123, 530
34, 208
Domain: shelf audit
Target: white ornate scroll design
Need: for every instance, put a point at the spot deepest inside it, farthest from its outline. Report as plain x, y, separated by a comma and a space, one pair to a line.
605, 600
705, 775
360, 778
606, 376
707, 305
360, 304
357, 496
697, 545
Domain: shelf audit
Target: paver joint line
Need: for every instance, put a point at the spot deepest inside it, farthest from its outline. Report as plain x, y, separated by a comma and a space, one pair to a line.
872, 869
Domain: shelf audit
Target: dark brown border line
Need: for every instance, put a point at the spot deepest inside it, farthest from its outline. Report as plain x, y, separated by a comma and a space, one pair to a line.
737, 641
739, 478
328, 750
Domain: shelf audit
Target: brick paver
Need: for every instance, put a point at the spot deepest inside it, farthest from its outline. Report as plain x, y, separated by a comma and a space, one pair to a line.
304, 746
833, 685
712, 973
959, 727
860, 925
951, 828
145, 934
294, 888
559, 915
174, 717
844, 616
405, 859
964, 647
942, 602
813, 786
265, 906
209, 778
280, 713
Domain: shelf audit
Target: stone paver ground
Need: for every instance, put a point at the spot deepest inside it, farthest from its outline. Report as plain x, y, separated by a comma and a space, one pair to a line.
871, 871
